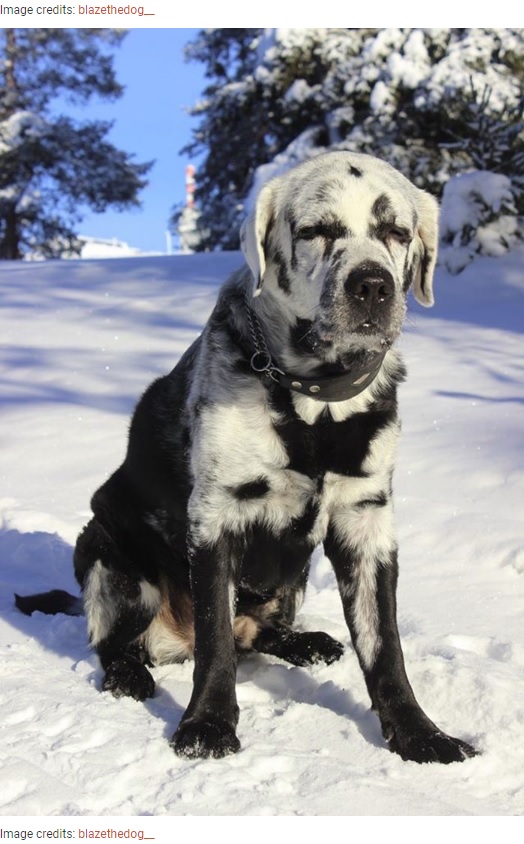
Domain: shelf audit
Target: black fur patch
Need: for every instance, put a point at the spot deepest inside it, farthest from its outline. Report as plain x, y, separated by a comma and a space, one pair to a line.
328, 446
304, 524
251, 489
382, 207
383, 217
336, 259
269, 560
330, 229
407, 275
282, 273
269, 229
425, 262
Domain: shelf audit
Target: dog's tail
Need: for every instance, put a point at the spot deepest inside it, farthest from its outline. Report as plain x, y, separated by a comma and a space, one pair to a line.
51, 603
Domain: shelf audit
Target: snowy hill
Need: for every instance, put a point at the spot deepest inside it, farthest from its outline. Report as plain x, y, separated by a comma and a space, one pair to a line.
81, 340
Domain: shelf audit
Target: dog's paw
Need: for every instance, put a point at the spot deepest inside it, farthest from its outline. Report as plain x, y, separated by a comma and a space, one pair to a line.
204, 740
127, 677
309, 648
324, 648
427, 745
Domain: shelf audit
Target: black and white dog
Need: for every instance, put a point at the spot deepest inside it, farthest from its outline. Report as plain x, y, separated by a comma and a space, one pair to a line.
276, 431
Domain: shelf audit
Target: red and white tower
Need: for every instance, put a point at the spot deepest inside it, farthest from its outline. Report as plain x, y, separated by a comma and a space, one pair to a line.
187, 224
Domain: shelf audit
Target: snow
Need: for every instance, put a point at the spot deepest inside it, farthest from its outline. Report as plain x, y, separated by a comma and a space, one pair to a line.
97, 247
81, 341
478, 215
380, 98
406, 65
299, 91
470, 62
412, 68
18, 126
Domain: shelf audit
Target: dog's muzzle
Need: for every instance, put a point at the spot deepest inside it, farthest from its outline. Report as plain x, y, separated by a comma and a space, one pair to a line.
370, 293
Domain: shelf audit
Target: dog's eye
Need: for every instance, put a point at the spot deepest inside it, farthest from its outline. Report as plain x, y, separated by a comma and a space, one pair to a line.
307, 233
329, 231
399, 234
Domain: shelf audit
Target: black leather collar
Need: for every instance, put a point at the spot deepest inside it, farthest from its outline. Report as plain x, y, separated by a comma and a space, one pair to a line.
334, 387
339, 387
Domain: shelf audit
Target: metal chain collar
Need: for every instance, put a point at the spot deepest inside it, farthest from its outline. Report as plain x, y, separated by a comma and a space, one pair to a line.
261, 360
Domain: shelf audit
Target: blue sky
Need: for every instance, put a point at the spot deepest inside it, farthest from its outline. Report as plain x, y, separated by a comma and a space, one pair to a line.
151, 121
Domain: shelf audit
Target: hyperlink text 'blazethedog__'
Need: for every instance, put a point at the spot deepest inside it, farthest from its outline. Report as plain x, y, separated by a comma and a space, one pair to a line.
112, 10
112, 833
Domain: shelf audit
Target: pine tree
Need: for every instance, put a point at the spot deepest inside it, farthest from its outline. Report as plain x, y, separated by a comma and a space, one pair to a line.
225, 176
244, 122
51, 166
280, 95
491, 138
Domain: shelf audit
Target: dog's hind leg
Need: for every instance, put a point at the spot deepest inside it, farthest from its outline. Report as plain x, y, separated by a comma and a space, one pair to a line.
119, 605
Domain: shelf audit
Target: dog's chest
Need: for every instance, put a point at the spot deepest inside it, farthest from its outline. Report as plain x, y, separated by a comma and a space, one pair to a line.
274, 471
314, 449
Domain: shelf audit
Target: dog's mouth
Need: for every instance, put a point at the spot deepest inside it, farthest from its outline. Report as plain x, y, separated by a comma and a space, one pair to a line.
339, 348
370, 334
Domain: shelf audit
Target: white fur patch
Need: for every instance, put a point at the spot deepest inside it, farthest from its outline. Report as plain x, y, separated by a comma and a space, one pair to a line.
164, 645
237, 445
150, 597
215, 509
362, 594
368, 534
299, 600
102, 601
232, 600
382, 451
99, 603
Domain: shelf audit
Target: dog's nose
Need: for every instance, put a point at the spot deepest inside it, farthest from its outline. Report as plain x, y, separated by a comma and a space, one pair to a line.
370, 285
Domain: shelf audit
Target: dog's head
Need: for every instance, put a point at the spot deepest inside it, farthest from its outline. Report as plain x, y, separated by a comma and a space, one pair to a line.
338, 241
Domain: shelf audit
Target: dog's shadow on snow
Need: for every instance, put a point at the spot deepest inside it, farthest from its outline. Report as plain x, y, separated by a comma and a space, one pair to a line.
288, 684
285, 685
39, 561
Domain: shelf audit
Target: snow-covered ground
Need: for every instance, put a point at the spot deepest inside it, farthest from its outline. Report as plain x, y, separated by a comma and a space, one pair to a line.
80, 341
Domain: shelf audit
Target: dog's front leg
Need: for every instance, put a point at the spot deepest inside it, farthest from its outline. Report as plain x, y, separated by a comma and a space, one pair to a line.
208, 725
362, 550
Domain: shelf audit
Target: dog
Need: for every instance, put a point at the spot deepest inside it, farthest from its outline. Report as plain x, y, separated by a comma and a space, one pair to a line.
275, 432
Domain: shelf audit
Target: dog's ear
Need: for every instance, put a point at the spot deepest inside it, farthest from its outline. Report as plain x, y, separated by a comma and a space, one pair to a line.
253, 235
427, 208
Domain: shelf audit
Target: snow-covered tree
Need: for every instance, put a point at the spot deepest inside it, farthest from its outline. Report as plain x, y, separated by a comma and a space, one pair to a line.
478, 217
51, 166
426, 100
